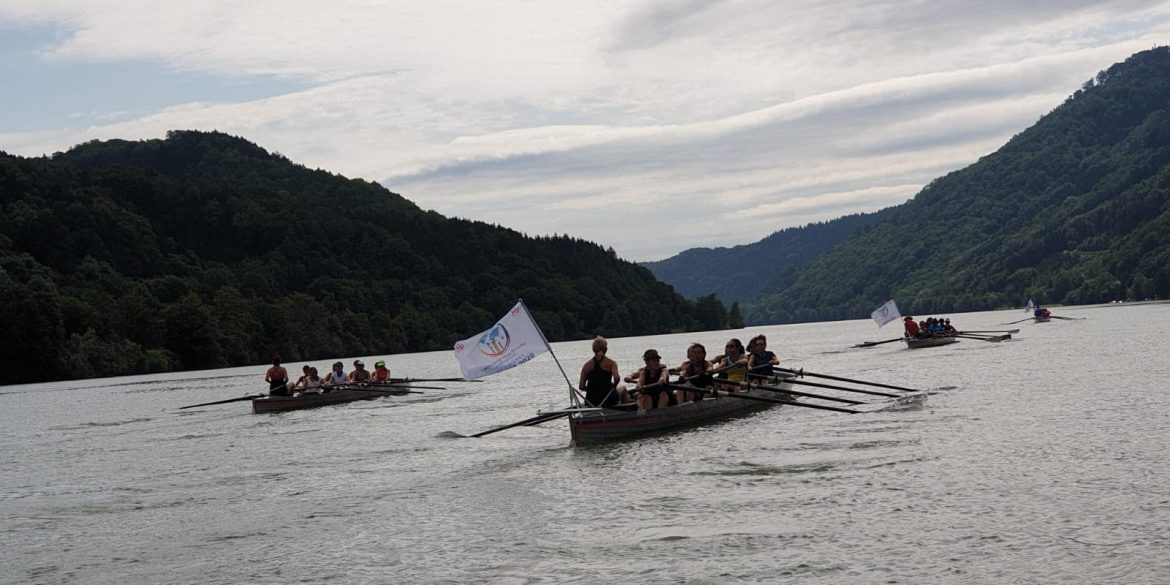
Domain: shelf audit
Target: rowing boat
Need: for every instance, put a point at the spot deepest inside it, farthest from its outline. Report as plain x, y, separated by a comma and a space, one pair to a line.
625, 422
339, 395
1042, 319
921, 342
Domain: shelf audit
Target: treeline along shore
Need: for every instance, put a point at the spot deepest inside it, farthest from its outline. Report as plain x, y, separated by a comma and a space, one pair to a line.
205, 251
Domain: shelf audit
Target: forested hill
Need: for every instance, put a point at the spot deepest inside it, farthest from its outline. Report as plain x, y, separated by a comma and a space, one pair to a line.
204, 251
743, 272
1076, 209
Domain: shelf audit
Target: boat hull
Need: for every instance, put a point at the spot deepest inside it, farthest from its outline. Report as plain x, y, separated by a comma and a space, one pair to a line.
1041, 319
341, 396
921, 342
605, 426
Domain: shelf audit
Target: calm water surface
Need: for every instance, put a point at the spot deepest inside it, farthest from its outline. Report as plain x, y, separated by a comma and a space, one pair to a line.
1037, 460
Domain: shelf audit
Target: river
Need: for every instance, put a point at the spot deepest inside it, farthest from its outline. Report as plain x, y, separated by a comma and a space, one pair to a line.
1040, 459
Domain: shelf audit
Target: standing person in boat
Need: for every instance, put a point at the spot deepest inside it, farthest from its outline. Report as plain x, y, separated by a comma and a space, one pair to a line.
731, 365
381, 372
600, 377
652, 383
337, 376
277, 378
760, 360
696, 371
359, 373
911, 327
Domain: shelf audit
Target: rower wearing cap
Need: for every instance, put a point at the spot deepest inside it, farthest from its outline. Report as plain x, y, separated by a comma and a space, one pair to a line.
381, 372
359, 373
652, 383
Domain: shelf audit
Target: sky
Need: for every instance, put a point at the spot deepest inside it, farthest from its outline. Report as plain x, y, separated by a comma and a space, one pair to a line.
648, 126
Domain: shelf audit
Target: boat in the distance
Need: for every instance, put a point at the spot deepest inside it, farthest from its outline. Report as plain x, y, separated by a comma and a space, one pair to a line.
339, 395
921, 342
624, 422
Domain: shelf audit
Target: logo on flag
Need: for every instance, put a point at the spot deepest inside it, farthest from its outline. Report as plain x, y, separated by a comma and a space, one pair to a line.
513, 340
494, 342
886, 313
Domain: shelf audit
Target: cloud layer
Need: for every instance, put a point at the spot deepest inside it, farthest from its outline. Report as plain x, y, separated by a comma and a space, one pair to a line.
647, 126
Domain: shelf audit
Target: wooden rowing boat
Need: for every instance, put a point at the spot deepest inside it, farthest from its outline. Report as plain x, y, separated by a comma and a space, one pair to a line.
625, 422
921, 342
339, 395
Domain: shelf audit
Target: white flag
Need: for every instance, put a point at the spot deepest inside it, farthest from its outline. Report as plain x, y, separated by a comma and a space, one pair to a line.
886, 313
1031, 307
513, 340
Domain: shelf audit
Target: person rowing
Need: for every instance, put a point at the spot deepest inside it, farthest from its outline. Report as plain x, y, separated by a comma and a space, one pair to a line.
760, 360
731, 365
696, 371
600, 377
335, 377
360, 373
652, 388
310, 383
911, 326
381, 372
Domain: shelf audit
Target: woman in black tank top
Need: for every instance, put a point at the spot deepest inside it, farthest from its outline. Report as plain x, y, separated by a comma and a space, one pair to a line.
652, 383
599, 377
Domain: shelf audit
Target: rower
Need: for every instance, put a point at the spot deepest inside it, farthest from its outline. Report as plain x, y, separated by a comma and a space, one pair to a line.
696, 371
381, 372
359, 373
337, 376
732, 365
760, 360
652, 383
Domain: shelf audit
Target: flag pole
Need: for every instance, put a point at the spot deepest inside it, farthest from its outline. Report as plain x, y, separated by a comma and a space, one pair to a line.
572, 391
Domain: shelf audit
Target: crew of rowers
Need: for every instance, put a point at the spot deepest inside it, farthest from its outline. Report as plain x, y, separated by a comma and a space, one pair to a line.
311, 382
931, 327
698, 377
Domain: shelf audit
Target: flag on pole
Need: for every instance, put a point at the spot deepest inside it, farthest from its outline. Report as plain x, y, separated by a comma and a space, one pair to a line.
513, 340
1031, 307
886, 313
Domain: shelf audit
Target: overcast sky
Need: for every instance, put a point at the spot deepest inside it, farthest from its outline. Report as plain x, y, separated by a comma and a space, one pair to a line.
648, 126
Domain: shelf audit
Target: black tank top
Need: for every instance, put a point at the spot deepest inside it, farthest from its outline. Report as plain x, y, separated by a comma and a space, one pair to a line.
701, 378
599, 386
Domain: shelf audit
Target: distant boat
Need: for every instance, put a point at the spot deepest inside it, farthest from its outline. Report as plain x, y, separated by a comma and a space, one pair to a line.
340, 395
921, 342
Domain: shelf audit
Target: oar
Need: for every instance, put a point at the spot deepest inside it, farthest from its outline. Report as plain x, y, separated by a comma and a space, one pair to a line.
1068, 318
251, 397
992, 331
540, 418
802, 373
873, 343
404, 380
996, 338
766, 399
383, 385
794, 392
1020, 321
394, 389
832, 387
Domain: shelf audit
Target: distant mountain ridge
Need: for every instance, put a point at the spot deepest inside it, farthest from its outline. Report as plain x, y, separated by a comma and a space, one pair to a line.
1072, 210
1075, 209
204, 251
740, 273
